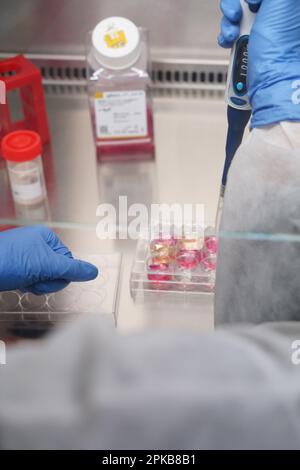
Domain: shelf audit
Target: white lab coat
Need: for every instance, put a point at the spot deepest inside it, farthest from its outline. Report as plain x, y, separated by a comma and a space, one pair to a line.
258, 276
88, 387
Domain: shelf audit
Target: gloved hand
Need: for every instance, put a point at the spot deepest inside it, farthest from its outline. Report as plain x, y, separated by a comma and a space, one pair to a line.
274, 57
34, 259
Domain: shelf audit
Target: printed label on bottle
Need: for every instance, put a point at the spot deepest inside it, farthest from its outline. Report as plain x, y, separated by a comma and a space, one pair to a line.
115, 38
32, 190
121, 114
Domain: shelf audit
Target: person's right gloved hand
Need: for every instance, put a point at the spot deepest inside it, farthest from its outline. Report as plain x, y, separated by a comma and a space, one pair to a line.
34, 259
274, 57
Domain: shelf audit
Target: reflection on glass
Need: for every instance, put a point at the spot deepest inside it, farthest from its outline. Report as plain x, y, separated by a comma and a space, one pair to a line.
134, 182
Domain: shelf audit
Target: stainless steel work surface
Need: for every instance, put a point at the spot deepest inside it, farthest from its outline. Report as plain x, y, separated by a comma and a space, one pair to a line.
190, 137
177, 27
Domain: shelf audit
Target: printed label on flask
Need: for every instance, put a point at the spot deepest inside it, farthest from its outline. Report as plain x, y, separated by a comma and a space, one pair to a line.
121, 114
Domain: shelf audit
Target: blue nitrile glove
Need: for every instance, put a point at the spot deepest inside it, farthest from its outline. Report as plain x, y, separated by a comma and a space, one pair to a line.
34, 259
274, 57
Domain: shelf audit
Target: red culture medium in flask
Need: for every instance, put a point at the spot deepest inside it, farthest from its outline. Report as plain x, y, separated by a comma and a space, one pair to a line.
119, 91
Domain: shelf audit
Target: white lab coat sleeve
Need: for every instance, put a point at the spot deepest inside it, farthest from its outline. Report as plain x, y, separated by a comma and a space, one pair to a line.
259, 244
88, 387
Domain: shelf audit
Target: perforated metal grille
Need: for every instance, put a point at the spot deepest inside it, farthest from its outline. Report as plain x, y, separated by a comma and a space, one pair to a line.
67, 74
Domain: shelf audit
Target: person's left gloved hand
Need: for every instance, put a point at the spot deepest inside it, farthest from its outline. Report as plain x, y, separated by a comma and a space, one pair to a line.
34, 259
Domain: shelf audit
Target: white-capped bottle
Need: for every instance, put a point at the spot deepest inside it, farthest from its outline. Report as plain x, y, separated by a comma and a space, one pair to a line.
119, 90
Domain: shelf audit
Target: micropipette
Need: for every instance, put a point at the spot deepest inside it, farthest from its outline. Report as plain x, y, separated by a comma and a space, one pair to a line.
239, 108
